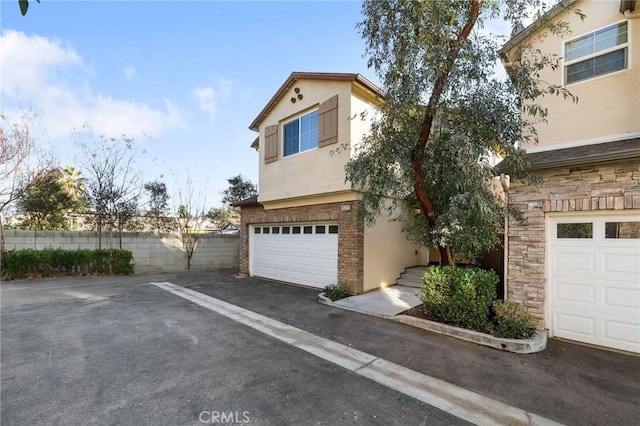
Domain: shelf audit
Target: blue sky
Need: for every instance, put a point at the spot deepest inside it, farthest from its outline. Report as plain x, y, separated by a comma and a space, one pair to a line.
185, 78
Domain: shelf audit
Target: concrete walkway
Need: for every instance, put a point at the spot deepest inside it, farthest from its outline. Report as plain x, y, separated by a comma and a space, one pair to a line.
386, 302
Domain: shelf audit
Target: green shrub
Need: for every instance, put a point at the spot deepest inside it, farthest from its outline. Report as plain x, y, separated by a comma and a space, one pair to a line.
461, 296
122, 262
56, 262
512, 321
336, 291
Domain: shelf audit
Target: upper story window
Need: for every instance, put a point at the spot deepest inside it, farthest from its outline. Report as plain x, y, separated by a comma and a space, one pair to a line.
301, 134
601, 52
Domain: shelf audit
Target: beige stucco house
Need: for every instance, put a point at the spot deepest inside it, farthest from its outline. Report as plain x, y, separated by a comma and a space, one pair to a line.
303, 226
575, 264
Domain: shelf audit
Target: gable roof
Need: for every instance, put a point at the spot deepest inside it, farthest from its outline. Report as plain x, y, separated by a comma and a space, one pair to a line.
535, 26
295, 76
581, 155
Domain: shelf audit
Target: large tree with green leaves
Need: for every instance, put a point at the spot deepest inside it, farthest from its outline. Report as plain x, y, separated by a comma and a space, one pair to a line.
239, 189
46, 202
446, 114
224, 214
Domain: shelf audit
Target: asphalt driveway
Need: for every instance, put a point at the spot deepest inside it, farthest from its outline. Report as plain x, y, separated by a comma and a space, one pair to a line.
121, 351
118, 350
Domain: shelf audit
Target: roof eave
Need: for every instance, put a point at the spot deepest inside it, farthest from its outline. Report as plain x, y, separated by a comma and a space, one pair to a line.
535, 26
250, 201
295, 76
575, 162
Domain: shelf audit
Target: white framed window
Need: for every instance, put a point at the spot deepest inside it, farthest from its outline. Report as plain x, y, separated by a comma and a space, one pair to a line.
301, 134
598, 53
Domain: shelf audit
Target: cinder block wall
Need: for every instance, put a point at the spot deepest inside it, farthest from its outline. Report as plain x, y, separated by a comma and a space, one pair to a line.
151, 252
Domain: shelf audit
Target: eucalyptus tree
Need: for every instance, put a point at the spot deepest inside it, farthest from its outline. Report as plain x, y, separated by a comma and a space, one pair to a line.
446, 114
24, 6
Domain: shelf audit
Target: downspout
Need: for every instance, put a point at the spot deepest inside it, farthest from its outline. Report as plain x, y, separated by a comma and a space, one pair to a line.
505, 271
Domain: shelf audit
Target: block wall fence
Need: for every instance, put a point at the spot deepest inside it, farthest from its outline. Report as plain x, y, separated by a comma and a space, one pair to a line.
151, 252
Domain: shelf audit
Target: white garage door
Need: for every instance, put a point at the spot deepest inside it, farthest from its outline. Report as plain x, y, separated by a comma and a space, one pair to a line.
304, 254
594, 279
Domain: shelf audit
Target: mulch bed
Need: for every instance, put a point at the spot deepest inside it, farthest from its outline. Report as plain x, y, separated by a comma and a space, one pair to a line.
419, 312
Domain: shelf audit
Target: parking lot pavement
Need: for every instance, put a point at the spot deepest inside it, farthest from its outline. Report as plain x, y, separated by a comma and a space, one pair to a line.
568, 383
118, 350
139, 352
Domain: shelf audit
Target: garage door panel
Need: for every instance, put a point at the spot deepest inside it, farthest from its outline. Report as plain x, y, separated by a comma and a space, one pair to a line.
594, 282
575, 325
625, 298
301, 258
572, 293
621, 263
570, 261
622, 334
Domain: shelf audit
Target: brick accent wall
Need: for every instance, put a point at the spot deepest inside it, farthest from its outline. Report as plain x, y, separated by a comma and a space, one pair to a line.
350, 235
593, 188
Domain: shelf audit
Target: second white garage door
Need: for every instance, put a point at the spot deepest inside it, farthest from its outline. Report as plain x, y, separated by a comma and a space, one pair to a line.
594, 279
304, 254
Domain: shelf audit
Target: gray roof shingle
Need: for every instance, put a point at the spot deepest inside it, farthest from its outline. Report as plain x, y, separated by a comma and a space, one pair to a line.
581, 155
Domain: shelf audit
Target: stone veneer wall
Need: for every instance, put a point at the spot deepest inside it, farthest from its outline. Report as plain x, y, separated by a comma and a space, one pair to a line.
592, 188
151, 252
350, 235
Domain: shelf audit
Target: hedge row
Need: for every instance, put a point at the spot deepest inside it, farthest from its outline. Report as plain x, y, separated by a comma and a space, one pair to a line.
467, 297
461, 296
56, 262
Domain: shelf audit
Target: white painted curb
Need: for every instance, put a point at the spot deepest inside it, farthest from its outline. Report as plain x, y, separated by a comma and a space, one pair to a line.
463, 403
537, 343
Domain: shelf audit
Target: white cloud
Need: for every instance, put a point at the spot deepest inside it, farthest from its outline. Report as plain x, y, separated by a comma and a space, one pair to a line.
129, 72
212, 96
49, 75
206, 97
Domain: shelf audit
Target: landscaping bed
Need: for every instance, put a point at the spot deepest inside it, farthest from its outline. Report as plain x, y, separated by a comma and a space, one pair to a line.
419, 312
417, 317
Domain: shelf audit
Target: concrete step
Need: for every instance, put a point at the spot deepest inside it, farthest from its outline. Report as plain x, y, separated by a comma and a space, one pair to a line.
412, 277
407, 282
413, 274
416, 270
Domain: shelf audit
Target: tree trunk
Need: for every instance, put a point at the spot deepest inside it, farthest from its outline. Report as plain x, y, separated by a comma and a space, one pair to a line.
446, 256
428, 210
99, 233
1, 237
